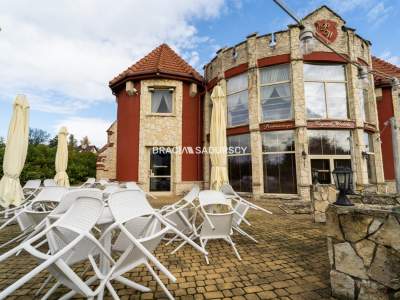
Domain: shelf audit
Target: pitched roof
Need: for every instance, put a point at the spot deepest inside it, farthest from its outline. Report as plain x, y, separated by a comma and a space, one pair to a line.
385, 67
162, 60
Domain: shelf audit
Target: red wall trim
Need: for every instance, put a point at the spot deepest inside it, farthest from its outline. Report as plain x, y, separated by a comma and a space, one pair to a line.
280, 125
385, 112
191, 134
324, 56
128, 116
236, 70
273, 60
331, 124
238, 130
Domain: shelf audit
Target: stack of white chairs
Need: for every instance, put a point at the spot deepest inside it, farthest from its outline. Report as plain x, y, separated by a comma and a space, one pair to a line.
49, 183
30, 190
28, 216
69, 240
215, 225
182, 212
132, 185
241, 207
89, 183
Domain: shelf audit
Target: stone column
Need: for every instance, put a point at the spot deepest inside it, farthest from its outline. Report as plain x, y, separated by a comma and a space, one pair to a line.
303, 168
254, 116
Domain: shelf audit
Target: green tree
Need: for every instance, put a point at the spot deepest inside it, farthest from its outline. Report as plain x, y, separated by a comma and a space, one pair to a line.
72, 142
38, 136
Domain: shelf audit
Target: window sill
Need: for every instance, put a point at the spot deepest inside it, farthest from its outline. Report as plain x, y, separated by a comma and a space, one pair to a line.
160, 115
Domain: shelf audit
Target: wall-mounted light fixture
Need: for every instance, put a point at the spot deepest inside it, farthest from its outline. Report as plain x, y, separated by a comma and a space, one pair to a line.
130, 88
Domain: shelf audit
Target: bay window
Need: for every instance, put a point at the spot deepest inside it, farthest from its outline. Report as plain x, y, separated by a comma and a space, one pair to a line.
275, 93
328, 149
279, 162
239, 164
237, 100
325, 91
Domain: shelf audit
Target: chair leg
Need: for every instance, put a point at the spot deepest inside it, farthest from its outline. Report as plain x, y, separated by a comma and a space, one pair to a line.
234, 247
113, 293
43, 285
164, 288
244, 233
51, 291
203, 245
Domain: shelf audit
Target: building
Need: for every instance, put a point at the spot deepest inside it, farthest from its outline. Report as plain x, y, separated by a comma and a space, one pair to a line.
159, 105
387, 99
292, 113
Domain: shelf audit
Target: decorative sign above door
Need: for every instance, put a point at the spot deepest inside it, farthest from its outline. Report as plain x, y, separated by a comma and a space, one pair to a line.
327, 30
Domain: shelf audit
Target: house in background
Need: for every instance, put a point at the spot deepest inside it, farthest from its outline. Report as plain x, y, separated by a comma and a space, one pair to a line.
159, 106
387, 99
293, 114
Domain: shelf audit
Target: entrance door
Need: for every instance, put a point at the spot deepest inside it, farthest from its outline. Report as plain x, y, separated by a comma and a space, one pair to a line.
160, 172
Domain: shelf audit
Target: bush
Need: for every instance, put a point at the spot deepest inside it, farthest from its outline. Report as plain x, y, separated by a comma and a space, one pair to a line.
40, 164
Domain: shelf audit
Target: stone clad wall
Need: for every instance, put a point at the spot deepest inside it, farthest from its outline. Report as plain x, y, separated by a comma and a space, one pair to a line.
322, 196
257, 50
364, 252
107, 157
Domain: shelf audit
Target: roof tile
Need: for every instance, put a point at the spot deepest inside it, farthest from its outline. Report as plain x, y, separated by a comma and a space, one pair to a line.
161, 60
384, 67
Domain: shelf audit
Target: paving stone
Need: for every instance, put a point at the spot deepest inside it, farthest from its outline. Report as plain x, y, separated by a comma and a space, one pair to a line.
291, 256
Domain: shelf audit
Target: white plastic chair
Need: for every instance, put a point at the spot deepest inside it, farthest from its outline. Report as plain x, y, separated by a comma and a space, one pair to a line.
132, 185
215, 225
30, 188
181, 213
241, 207
110, 189
90, 182
49, 183
31, 215
73, 228
141, 230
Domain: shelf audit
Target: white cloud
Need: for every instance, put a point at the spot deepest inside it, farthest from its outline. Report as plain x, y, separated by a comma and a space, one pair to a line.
93, 128
389, 57
62, 54
378, 13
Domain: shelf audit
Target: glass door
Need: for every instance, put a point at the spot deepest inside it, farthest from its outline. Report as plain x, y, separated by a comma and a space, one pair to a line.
160, 172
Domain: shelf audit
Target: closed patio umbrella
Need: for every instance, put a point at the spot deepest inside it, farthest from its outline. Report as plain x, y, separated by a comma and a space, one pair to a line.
15, 154
61, 177
218, 155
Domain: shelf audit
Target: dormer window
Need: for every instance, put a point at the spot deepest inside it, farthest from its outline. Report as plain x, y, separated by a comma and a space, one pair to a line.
161, 101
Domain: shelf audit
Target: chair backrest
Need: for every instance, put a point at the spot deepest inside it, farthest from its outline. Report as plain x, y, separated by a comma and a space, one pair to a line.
241, 208
222, 225
82, 215
52, 193
129, 204
213, 198
193, 194
70, 197
227, 189
109, 189
49, 183
32, 184
103, 181
91, 180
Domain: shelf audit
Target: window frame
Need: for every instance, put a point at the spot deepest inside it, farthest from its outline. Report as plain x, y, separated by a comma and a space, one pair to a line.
172, 91
241, 154
370, 155
293, 152
234, 93
325, 82
260, 85
330, 157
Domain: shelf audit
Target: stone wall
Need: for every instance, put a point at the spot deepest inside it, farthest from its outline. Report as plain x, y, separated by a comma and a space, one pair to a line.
257, 48
106, 165
322, 196
364, 251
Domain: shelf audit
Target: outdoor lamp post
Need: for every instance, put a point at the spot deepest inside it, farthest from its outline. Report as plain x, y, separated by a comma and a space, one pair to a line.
307, 41
343, 177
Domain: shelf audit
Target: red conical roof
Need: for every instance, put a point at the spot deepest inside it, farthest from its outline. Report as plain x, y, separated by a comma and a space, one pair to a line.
162, 60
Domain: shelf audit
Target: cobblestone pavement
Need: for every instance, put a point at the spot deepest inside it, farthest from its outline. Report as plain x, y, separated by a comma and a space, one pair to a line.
289, 262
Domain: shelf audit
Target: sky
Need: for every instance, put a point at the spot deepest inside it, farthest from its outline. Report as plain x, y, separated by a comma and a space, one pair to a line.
62, 54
